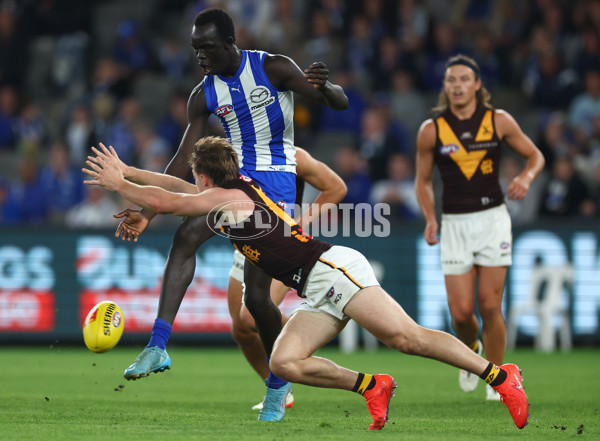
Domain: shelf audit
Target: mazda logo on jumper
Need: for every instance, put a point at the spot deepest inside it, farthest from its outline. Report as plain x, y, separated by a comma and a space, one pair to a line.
259, 94
233, 219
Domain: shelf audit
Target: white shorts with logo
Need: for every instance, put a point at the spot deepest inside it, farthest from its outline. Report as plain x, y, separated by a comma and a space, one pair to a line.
237, 269
337, 276
481, 238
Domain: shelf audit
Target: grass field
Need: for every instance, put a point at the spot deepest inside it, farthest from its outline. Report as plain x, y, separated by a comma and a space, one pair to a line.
73, 394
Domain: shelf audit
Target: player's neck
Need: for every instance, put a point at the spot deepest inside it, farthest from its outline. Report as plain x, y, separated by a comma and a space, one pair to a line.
234, 66
464, 112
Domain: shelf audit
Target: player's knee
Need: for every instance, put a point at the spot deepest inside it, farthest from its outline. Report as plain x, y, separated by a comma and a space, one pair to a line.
247, 321
285, 367
241, 333
408, 342
462, 315
490, 310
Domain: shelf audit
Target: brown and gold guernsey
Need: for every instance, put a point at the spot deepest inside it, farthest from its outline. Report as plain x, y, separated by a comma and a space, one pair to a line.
467, 153
271, 239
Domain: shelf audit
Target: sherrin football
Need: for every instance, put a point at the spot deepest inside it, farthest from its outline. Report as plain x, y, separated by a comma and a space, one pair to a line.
103, 327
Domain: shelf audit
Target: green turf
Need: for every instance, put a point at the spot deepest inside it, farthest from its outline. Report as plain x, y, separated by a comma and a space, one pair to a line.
72, 394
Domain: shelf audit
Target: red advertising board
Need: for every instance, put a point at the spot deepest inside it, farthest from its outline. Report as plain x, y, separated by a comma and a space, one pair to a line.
25, 310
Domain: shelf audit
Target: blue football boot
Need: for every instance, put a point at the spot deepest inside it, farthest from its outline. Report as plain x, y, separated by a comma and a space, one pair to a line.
152, 359
274, 404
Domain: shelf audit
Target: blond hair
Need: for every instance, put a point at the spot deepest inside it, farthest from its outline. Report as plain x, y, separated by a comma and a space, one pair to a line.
214, 157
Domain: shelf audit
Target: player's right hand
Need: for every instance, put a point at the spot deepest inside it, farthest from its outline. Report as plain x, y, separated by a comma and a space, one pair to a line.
431, 230
133, 224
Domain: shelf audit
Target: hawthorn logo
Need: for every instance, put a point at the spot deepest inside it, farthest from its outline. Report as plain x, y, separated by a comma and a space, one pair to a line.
242, 220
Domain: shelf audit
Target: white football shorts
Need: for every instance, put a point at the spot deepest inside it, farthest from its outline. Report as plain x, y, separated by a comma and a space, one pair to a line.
237, 269
337, 276
481, 238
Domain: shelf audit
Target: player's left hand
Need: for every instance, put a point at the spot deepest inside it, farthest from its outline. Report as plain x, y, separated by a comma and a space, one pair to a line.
518, 188
317, 74
105, 168
133, 224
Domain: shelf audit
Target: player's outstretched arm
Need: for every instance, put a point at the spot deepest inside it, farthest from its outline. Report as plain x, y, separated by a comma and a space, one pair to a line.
105, 171
312, 83
424, 179
319, 175
146, 177
197, 114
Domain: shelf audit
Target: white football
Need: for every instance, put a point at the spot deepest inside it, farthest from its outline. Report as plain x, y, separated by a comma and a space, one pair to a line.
103, 327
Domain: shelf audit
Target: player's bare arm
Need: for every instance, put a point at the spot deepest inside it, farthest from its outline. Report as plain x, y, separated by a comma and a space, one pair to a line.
313, 83
319, 175
146, 177
105, 171
510, 132
424, 179
132, 225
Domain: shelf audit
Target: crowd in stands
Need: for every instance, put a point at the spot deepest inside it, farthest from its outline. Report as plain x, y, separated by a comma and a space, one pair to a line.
74, 73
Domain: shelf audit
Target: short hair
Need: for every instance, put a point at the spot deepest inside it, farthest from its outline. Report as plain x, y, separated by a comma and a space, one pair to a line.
214, 157
220, 19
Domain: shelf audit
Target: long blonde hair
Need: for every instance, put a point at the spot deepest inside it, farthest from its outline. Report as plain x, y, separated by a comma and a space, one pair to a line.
483, 95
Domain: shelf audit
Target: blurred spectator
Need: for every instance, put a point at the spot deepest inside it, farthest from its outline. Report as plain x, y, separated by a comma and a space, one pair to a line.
9, 213
587, 58
345, 120
360, 52
337, 11
407, 105
121, 134
487, 60
412, 24
586, 107
107, 79
398, 190
388, 60
80, 134
565, 192
592, 208
103, 116
62, 182
173, 125
549, 84
31, 128
14, 44
554, 140
321, 43
130, 51
352, 170
378, 141
152, 152
9, 102
443, 47
95, 211
175, 59
523, 211
28, 194
375, 13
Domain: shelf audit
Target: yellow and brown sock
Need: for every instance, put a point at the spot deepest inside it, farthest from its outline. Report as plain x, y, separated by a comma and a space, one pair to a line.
475, 346
493, 375
364, 382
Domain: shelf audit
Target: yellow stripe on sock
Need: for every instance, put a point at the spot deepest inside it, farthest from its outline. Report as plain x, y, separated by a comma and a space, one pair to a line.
475, 346
492, 375
363, 386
